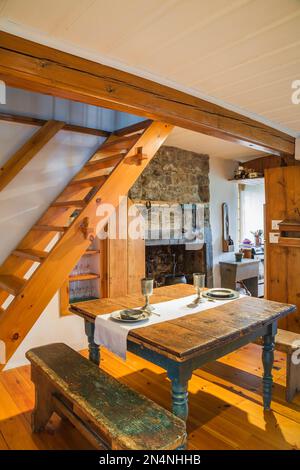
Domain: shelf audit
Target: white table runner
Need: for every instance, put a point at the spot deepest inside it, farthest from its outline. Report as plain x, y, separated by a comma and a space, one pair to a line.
113, 334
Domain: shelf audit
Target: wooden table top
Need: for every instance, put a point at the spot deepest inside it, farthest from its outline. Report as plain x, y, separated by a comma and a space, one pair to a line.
193, 334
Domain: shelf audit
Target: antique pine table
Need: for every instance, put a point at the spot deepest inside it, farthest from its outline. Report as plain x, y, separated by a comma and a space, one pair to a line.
187, 343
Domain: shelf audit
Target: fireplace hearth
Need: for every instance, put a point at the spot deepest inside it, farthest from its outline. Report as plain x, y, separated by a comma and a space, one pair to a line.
173, 264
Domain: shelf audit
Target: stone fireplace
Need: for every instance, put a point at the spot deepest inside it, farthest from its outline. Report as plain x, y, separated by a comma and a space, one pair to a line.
176, 176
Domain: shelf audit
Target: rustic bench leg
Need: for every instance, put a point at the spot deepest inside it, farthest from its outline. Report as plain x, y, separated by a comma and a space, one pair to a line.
268, 360
292, 379
43, 402
94, 349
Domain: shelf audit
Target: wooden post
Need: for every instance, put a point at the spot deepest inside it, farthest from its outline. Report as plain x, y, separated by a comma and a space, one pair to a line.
43, 401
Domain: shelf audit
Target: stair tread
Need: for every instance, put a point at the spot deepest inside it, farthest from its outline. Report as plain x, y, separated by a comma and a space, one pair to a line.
50, 228
122, 143
93, 181
103, 162
11, 284
79, 203
36, 255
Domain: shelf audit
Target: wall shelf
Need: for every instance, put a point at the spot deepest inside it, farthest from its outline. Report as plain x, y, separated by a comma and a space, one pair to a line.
83, 277
111, 267
87, 285
248, 181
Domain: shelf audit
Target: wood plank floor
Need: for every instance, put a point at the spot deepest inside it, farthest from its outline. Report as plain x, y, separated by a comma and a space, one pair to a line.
225, 405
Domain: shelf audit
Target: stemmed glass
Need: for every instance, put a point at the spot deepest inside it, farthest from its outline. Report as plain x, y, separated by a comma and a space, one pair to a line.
147, 291
199, 284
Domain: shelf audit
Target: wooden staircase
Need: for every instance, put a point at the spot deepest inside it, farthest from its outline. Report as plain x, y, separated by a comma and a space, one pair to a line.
42, 261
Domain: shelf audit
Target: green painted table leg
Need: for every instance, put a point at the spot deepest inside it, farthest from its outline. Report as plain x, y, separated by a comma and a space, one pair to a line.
268, 360
94, 349
180, 405
180, 376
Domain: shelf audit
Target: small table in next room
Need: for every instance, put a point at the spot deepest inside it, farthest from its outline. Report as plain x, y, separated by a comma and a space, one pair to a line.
246, 270
182, 345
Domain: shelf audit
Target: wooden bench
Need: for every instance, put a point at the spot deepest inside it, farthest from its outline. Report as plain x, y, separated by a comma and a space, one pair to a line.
108, 413
288, 342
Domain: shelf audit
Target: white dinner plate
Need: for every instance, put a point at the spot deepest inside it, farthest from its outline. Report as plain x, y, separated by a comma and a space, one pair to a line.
143, 316
221, 294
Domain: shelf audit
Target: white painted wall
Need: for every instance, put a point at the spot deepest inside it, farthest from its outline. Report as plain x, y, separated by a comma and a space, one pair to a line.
38, 105
221, 190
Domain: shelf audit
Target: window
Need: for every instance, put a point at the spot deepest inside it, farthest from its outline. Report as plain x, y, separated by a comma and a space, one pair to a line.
251, 210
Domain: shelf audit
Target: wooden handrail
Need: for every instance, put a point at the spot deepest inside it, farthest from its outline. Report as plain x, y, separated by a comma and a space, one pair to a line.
20, 158
40, 122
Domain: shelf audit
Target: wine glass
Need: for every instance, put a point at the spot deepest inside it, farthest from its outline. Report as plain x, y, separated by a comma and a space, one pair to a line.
199, 284
147, 290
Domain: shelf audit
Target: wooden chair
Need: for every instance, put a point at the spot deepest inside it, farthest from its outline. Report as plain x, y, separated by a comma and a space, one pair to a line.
108, 413
288, 342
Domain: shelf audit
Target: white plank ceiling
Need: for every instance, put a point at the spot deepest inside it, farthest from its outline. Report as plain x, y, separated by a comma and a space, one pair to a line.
242, 53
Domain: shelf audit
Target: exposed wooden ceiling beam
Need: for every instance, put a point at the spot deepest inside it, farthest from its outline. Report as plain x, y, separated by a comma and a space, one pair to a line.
35, 67
40, 122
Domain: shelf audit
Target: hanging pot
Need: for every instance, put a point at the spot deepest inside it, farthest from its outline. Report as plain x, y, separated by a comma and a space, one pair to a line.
170, 279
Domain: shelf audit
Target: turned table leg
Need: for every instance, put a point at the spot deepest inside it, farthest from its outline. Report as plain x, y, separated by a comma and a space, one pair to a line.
94, 349
268, 360
180, 377
180, 405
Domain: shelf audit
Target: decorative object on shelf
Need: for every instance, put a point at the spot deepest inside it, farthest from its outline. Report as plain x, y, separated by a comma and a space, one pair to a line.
242, 173
238, 257
227, 242
258, 237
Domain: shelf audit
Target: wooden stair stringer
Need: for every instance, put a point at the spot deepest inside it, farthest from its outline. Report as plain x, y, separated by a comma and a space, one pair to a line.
19, 317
